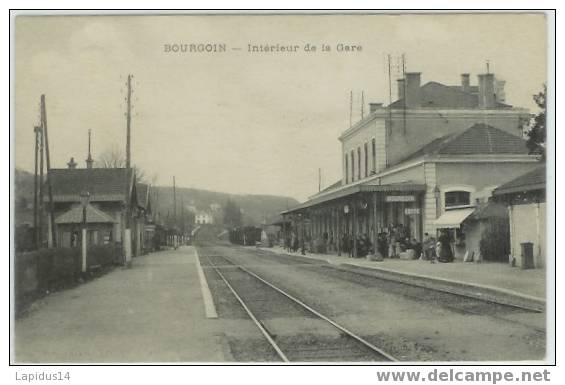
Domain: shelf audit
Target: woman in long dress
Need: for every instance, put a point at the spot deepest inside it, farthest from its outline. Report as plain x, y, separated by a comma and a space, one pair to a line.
445, 252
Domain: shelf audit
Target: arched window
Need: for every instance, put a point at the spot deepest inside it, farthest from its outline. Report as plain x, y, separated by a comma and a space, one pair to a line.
457, 198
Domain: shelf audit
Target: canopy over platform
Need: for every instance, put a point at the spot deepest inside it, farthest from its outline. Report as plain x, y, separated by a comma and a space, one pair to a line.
371, 186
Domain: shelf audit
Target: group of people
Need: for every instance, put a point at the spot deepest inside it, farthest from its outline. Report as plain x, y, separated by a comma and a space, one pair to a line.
363, 243
389, 244
439, 250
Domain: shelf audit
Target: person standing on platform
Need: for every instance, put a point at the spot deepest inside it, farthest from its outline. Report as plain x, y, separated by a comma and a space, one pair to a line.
445, 252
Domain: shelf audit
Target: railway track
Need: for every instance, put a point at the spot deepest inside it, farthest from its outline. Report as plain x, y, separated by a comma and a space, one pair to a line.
296, 331
455, 301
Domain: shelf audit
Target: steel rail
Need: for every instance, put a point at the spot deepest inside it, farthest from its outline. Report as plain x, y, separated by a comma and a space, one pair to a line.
258, 323
315, 312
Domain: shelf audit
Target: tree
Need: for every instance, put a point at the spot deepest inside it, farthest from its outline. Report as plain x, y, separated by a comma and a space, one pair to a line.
114, 158
232, 214
537, 132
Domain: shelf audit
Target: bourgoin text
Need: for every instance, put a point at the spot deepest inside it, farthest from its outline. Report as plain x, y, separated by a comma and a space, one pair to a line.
259, 48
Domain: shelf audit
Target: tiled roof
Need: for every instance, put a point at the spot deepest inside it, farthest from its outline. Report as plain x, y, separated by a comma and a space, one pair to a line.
93, 215
103, 184
533, 180
437, 95
479, 139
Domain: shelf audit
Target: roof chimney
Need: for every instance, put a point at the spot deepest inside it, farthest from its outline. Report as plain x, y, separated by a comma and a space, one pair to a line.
465, 83
486, 91
413, 94
89, 160
401, 87
72, 164
375, 106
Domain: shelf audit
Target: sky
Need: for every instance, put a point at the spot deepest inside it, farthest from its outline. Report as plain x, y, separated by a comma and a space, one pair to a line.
241, 122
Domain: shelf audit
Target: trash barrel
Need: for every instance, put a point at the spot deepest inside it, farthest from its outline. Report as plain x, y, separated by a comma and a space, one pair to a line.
527, 255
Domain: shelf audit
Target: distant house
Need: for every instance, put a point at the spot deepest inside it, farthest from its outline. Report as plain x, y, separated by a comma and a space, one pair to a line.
109, 190
525, 197
203, 218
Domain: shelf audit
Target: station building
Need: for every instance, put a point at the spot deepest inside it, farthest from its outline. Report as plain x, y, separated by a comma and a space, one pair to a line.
109, 190
422, 163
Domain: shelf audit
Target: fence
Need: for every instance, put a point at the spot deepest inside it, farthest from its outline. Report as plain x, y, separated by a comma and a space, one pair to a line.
43, 270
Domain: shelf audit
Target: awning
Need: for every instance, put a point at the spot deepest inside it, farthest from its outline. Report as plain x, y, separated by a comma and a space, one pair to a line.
453, 218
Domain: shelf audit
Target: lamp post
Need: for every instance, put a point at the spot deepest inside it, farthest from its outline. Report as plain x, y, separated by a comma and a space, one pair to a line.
84, 199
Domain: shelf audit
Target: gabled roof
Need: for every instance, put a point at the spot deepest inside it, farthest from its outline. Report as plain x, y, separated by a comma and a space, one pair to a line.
479, 139
437, 95
533, 180
93, 215
103, 184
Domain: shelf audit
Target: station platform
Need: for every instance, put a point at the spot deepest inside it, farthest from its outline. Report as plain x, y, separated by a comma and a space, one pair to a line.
153, 312
494, 277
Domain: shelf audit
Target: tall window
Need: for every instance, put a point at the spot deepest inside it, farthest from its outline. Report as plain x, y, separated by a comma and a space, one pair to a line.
346, 169
374, 152
366, 160
457, 198
352, 165
358, 162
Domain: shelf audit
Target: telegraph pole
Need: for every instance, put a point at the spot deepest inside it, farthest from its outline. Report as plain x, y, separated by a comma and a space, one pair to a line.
51, 241
389, 93
128, 140
35, 192
175, 211
41, 201
127, 230
404, 85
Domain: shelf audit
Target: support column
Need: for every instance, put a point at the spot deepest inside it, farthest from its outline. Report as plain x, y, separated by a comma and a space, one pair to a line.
83, 250
354, 227
338, 233
49, 231
127, 246
375, 225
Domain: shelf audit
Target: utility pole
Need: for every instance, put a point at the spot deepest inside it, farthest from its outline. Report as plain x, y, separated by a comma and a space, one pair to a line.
175, 211
389, 93
35, 192
41, 201
128, 176
51, 241
319, 179
128, 140
404, 99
